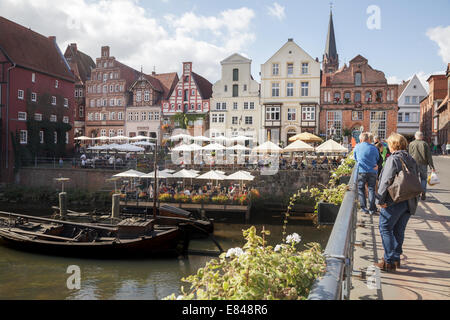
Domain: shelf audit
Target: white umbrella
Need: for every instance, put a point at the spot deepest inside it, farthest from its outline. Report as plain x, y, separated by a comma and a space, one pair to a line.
139, 138
221, 138
102, 138
185, 148
267, 147
82, 138
241, 139
213, 147
119, 138
168, 171
180, 137
298, 146
201, 138
130, 174
331, 146
143, 143
212, 175
96, 148
159, 175
241, 176
184, 174
129, 148
238, 147
220, 172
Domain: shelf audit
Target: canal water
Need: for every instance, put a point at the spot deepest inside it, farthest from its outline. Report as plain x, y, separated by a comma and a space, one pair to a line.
32, 276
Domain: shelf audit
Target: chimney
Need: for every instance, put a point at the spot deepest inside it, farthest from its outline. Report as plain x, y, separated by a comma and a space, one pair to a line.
52, 38
290, 39
74, 48
105, 52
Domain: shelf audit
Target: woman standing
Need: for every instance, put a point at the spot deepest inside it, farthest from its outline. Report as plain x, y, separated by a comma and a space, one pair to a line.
394, 216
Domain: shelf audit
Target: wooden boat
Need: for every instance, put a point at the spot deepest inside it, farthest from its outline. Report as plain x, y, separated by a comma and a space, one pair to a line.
131, 238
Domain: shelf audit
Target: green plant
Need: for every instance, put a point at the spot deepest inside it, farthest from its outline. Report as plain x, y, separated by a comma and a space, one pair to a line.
258, 272
181, 198
220, 199
165, 197
200, 199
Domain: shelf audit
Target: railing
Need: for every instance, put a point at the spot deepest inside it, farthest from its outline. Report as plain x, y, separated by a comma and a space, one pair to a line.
336, 283
40, 162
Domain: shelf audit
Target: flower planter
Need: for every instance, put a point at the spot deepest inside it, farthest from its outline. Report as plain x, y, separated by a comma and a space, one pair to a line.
344, 180
327, 213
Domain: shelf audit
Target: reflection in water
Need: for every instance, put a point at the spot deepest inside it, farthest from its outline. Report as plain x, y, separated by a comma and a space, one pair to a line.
31, 276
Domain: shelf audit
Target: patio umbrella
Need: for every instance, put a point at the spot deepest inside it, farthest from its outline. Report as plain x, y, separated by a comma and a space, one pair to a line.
187, 147
201, 138
168, 171
213, 147
180, 137
119, 138
130, 174
184, 174
242, 139
159, 175
267, 147
241, 176
331, 146
102, 138
139, 138
212, 175
82, 138
143, 143
128, 148
238, 147
306, 137
298, 146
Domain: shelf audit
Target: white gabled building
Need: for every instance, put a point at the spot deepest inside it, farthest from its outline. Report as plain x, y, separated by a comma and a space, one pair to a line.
235, 108
290, 93
411, 93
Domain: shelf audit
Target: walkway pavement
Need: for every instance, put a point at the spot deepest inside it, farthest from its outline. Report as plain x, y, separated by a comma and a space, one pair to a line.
425, 271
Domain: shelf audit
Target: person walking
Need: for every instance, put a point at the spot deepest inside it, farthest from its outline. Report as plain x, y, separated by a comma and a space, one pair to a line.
394, 216
367, 156
421, 152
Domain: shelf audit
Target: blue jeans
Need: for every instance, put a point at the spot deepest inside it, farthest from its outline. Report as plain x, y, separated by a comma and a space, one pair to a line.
423, 170
371, 180
393, 221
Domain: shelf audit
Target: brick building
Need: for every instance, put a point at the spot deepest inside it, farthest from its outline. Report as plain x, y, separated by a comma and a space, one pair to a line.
429, 119
357, 97
36, 98
443, 113
107, 96
144, 112
191, 97
81, 66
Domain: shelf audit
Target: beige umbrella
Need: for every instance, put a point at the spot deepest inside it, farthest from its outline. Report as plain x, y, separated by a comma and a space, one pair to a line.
298, 146
331, 146
267, 147
306, 137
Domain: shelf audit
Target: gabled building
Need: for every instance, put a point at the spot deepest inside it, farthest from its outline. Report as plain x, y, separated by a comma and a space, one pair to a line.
190, 98
429, 118
108, 95
290, 93
36, 98
443, 112
357, 98
235, 108
411, 92
144, 111
81, 66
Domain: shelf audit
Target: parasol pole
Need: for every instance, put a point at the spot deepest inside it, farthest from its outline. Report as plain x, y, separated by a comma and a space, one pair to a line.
155, 185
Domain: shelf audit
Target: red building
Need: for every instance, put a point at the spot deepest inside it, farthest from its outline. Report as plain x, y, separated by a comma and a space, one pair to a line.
443, 113
36, 98
429, 119
81, 65
190, 96
357, 97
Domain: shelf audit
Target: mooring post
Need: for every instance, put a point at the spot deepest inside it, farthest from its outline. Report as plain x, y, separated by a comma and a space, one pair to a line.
63, 205
203, 213
115, 206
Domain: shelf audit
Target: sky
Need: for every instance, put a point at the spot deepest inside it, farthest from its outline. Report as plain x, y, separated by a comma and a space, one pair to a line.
399, 37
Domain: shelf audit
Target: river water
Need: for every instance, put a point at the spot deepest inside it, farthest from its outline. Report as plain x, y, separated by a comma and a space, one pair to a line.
33, 276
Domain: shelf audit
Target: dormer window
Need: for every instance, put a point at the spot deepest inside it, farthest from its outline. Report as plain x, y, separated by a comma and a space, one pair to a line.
358, 79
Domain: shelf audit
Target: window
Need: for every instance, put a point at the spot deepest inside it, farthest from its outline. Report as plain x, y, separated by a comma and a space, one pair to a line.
235, 105
193, 92
305, 67
214, 118
275, 69
347, 97
112, 102
225, 88
121, 88
138, 96
234, 120
23, 136
199, 106
291, 115
97, 117
111, 133
136, 116
334, 123
150, 116
20, 94
117, 88
235, 90
235, 74
120, 117
275, 89
103, 132
33, 97
90, 116
378, 123
368, 96
119, 102
38, 116
111, 87
414, 100
22, 116
249, 120
357, 115
357, 97
144, 116
66, 119
290, 69
157, 115
379, 96
305, 89
53, 118
112, 116
41, 136
111, 75
103, 116
290, 89
358, 79
120, 132
245, 105
224, 106
33, 77
407, 100
400, 117
308, 113
105, 77
66, 102
245, 87
55, 137
221, 118
54, 100
407, 117
76, 93
252, 106
272, 113
56, 84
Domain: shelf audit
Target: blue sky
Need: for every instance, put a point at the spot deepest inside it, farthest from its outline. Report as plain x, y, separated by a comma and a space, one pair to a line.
163, 33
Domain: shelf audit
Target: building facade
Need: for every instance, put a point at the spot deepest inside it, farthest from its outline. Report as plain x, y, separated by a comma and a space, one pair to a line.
357, 98
443, 112
81, 66
411, 92
107, 96
429, 118
290, 93
235, 108
36, 98
190, 101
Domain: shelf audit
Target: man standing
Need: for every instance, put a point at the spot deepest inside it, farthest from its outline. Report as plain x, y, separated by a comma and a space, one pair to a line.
367, 156
421, 152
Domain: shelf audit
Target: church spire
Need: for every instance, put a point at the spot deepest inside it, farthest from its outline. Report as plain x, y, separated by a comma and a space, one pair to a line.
330, 57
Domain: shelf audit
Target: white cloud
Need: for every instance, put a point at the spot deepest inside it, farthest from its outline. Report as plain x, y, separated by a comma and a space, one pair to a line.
135, 36
441, 35
277, 11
